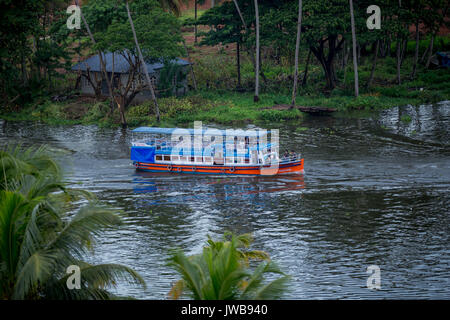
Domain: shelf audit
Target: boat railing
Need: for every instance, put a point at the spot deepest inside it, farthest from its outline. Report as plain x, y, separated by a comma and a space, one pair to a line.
291, 157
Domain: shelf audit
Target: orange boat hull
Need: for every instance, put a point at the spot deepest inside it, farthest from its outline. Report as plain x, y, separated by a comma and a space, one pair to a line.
282, 168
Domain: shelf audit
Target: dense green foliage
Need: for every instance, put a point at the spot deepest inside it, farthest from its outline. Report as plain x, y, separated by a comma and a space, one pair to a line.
33, 49
222, 272
157, 31
42, 232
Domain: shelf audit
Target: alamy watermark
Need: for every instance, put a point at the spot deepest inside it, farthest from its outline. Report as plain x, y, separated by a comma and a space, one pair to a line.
374, 280
373, 22
74, 21
74, 280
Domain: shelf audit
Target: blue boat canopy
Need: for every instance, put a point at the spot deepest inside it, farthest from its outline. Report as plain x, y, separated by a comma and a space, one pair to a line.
207, 131
142, 154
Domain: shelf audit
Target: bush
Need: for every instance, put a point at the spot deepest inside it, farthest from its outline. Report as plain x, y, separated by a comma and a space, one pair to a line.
427, 96
363, 102
96, 113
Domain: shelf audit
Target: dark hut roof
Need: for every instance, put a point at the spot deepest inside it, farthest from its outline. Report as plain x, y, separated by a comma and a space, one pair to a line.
121, 65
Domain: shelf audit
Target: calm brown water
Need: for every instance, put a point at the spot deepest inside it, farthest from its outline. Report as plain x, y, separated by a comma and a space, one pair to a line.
375, 192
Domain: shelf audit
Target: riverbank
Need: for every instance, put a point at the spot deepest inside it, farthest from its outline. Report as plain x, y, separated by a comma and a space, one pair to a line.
231, 107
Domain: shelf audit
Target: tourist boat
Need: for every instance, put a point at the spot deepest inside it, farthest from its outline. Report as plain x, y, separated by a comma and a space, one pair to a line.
210, 151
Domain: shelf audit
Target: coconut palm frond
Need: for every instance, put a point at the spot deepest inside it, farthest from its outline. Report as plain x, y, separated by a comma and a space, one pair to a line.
81, 231
190, 271
258, 255
16, 161
244, 240
13, 210
37, 269
104, 275
59, 291
33, 187
31, 240
272, 290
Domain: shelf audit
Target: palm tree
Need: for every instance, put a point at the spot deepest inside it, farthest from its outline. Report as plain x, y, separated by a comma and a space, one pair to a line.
40, 236
355, 61
256, 97
297, 49
244, 24
143, 64
221, 272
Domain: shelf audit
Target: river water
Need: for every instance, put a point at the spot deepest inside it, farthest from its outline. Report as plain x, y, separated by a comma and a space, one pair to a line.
375, 192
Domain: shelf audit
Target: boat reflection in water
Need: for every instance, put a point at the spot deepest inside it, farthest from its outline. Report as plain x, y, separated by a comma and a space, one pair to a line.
165, 188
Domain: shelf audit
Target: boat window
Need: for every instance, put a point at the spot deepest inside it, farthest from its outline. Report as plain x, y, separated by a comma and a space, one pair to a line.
166, 158
158, 158
247, 160
192, 159
198, 159
229, 160
184, 159
175, 158
207, 159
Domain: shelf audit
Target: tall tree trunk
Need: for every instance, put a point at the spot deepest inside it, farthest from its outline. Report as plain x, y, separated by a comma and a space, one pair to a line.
430, 52
372, 72
194, 81
23, 65
121, 105
305, 75
355, 60
416, 54
388, 46
102, 62
344, 51
399, 58
399, 51
328, 69
238, 64
404, 49
240, 15
144, 65
261, 72
195, 17
251, 54
382, 49
297, 49
425, 54
256, 97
